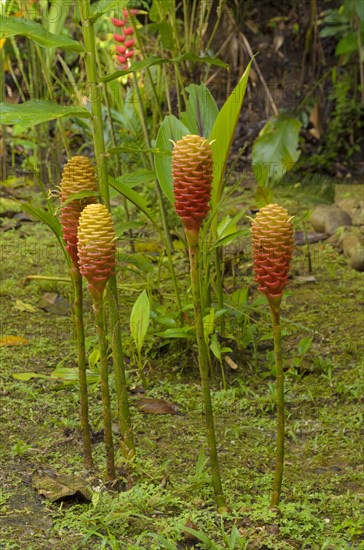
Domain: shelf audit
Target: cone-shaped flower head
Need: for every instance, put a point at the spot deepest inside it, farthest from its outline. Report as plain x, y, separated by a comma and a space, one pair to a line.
78, 175
272, 232
192, 178
96, 247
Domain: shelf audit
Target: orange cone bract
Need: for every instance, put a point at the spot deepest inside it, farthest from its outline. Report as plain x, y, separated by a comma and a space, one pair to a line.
78, 175
96, 247
272, 232
192, 166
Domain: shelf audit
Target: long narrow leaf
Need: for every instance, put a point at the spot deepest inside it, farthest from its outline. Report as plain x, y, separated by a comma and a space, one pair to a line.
133, 197
153, 60
170, 130
48, 219
223, 133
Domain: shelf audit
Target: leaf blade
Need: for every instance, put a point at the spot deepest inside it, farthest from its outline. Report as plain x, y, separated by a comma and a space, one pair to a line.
139, 319
154, 60
12, 26
223, 131
35, 112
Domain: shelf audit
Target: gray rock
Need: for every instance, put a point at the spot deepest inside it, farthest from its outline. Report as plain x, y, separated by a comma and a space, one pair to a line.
348, 243
357, 257
328, 218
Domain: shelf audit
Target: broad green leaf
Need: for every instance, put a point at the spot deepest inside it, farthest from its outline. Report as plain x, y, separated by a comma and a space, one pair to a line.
103, 6
37, 111
275, 149
223, 131
215, 346
12, 26
170, 130
209, 324
139, 177
348, 44
134, 197
153, 60
139, 319
186, 332
201, 110
304, 345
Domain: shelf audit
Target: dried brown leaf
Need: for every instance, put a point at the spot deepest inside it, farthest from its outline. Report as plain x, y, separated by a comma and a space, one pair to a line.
157, 406
55, 487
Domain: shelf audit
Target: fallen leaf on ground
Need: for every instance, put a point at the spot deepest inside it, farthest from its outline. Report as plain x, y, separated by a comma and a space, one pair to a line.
23, 306
13, 341
54, 303
300, 238
230, 362
55, 487
157, 406
305, 279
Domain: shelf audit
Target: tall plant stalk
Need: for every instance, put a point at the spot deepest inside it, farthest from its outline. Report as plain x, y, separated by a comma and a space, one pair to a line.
106, 406
277, 338
192, 172
100, 154
272, 233
80, 335
203, 362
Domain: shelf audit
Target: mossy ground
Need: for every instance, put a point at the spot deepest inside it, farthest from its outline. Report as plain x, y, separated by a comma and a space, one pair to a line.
168, 483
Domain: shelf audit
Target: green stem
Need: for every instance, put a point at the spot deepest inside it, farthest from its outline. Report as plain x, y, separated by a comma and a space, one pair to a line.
278, 476
127, 444
80, 335
192, 239
112, 293
109, 446
219, 288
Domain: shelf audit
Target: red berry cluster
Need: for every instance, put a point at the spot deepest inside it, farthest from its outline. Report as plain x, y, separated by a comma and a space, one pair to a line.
125, 41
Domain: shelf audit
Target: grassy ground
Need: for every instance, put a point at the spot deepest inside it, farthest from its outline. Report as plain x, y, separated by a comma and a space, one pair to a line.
167, 486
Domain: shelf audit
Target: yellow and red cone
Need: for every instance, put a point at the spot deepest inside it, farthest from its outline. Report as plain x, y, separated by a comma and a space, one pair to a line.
78, 175
273, 240
192, 171
96, 247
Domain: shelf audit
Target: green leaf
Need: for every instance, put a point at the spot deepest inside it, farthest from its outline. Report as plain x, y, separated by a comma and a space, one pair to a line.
304, 345
348, 44
139, 177
139, 319
275, 149
201, 110
79, 196
170, 130
50, 220
209, 324
153, 60
103, 6
223, 132
37, 111
134, 197
45, 217
186, 332
26, 376
12, 26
